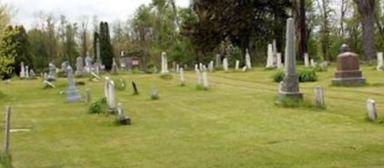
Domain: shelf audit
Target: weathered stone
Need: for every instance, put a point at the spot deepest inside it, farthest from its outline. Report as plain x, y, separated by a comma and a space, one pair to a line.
306, 60
79, 66
225, 64
237, 66
73, 95
290, 85
348, 70
27, 72
210, 66
380, 62
371, 109
279, 61
135, 89
109, 92
164, 63
52, 73
270, 60
122, 119
319, 97
22, 70
205, 80
218, 60
182, 78
248, 63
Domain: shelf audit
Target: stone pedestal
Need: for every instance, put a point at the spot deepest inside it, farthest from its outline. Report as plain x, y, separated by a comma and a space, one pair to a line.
348, 70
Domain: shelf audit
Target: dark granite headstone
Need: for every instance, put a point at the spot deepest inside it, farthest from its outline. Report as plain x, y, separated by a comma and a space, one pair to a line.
348, 69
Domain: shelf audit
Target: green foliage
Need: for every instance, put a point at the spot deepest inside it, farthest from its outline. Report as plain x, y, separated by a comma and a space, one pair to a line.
6, 63
287, 102
278, 76
2, 95
305, 75
120, 84
5, 161
106, 50
99, 106
38, 49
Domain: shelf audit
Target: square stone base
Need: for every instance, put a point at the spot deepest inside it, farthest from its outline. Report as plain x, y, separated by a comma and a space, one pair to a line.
294, 96
348, 81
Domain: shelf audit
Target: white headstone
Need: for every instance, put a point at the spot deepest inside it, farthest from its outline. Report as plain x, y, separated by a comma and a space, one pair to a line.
210, 66
199, 77
182, 78
164, 63
110, 95
244, 69
380, 62
225, 64
26, 72
248, 63
306, 60
313, 63
279, 61
218, 61
237, 65
270, 60
177, 68
22, 70
205, 80
371, 108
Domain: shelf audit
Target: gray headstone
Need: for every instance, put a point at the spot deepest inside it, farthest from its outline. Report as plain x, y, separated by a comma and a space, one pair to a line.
319, 97
73, 95
290, 86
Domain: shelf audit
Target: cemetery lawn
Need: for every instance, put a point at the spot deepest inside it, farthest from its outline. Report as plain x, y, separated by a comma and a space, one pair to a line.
235, 124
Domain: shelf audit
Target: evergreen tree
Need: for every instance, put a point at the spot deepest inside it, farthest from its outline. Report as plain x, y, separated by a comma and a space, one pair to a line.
106, 49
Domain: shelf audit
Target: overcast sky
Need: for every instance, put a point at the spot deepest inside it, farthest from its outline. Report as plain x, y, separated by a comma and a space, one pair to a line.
107, 10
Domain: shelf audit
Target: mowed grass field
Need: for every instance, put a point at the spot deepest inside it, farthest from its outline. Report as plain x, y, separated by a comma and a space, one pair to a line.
235, 124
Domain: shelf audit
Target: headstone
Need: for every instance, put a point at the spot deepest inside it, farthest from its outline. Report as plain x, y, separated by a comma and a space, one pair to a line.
380, 62
164, 63
199, 77
177, 68
79, 66
52, 73
324, 66
182, 78
290, 85
95, 76
88, 63
313, 63
225, 64
201, 66
135, 89
306, 60
205, 80
22, 70
73, 95
48, 84
237, 66
7, 127
27, 72
32, 74
114, 69
280, 64
319, 97
218, 60
371, 109
210, 66
123, 120
348, 69
248, 63
88, 97
109, 91
274, 50
64, 66
270, 62
244, 69
154, 93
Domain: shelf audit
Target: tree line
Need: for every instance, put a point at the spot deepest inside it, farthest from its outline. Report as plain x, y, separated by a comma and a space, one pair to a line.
196, 33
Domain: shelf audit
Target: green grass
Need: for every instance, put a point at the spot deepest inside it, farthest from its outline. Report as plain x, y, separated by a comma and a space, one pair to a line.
235, 124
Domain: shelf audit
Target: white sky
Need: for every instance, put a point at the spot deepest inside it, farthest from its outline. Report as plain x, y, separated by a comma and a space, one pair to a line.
25, 11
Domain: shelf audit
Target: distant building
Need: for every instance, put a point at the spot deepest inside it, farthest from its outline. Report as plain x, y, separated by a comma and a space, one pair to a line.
131, 60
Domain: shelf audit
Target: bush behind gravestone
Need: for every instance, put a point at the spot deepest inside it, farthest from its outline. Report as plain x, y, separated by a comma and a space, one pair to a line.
120, 84
305, 75
99, 106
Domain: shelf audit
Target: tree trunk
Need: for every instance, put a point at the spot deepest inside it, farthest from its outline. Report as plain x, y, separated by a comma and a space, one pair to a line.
367, 11
303, 46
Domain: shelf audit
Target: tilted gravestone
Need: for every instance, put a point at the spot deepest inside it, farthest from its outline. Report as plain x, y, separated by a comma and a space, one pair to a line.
135, 89
290, 85
348, 69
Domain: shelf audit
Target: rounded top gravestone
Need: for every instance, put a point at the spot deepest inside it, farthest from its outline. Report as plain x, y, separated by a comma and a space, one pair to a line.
348, 69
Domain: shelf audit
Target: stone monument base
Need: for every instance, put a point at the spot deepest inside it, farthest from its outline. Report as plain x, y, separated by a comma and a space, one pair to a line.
125, 121
73, 96
297, 96
349, 81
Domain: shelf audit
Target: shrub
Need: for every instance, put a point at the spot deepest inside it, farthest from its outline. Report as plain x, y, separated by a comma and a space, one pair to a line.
99, 106
305, 75
120, 84
278, 76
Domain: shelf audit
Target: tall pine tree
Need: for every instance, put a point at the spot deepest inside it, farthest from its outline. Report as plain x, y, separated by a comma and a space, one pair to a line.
106, 49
